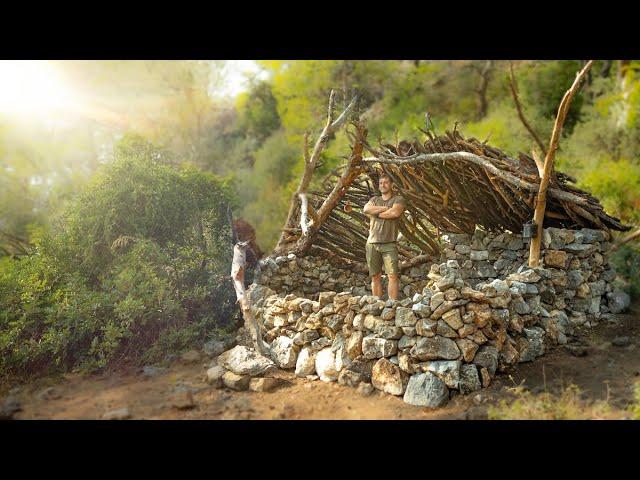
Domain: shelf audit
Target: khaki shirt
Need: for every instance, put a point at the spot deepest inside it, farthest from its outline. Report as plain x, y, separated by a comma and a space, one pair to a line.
383, 230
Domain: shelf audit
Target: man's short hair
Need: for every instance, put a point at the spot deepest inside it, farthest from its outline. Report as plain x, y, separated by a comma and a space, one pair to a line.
384, 175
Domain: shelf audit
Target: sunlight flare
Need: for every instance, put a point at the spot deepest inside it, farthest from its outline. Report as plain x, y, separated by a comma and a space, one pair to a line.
33, 87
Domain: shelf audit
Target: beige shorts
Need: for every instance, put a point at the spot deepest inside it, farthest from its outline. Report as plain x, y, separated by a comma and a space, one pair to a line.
379, 254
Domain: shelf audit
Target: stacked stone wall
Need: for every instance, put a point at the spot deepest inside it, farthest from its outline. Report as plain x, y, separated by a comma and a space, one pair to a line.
479, 310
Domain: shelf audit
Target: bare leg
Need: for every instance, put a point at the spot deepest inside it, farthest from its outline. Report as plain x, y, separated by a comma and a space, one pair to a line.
376, 285
394, 286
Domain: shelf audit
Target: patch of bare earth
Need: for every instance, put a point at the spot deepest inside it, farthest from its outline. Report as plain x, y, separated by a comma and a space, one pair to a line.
601, 369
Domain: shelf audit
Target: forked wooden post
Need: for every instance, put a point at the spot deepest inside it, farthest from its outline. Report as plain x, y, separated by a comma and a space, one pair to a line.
541, 199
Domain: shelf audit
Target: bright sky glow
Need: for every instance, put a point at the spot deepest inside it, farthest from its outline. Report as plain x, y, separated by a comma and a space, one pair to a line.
32, 87
236, 74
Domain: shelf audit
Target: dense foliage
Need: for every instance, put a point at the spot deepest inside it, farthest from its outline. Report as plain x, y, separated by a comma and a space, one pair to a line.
134, 268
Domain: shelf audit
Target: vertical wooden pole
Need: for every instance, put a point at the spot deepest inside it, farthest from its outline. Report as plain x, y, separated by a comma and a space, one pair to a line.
541, 199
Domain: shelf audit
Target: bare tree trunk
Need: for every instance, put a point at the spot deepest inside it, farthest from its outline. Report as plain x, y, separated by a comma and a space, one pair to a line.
310, 163
481, 91
237, 274
349, 174
541, 200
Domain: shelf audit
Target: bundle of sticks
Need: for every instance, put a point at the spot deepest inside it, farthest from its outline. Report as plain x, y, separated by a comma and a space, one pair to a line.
451, 184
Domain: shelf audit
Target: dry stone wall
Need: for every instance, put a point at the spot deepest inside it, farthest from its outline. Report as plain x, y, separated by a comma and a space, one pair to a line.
479, 310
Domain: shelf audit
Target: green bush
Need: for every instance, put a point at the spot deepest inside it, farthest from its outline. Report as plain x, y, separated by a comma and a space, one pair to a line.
134, 268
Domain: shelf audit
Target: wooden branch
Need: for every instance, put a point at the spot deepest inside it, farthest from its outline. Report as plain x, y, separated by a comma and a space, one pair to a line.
541, 199
628, 238
311, 161
514, 93
346, 179
539, 162
483, 162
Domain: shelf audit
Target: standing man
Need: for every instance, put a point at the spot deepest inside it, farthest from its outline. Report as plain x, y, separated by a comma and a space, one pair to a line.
382, 248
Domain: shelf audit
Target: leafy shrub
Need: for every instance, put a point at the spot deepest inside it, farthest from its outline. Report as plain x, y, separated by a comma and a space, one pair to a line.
135, 267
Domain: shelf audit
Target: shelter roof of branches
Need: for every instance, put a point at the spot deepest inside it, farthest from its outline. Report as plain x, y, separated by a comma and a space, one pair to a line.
451, 184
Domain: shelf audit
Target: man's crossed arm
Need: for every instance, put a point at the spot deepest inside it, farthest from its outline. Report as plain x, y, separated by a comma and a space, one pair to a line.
384, 212
371, 209
394, 212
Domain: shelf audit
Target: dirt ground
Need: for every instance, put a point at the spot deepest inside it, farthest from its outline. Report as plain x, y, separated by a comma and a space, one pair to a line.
601, 369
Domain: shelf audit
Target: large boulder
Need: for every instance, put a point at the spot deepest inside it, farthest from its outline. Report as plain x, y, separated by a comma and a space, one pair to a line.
306, 362
426, 390
243, 360
326, 365
388, 377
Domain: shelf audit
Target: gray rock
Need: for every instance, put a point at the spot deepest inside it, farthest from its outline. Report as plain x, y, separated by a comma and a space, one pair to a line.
426, 390
374, 347
363, 367
436, 300
285, 353
242, 360
485, 270
447, 370
463, 249
575, 278
390, 332
526, 276
350, 378
618, 301
319, 344
388, 313
435, 348
405, 317
469, 379
479, 255
487, 356
445, 282
534, 344
421, 309
406, 342
305, 337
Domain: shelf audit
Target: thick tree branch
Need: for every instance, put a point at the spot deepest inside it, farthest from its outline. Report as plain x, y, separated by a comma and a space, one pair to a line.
311, 162
541, 199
